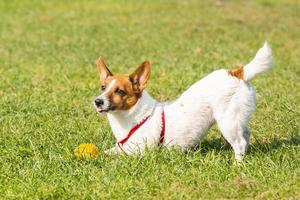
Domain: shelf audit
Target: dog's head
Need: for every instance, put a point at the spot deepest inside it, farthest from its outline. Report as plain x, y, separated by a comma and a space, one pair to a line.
120, 92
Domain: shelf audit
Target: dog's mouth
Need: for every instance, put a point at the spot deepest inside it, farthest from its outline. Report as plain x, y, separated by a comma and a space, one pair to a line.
102, 111
105, 110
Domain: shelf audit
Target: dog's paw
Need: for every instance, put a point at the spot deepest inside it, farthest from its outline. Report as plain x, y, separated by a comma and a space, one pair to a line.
111, 151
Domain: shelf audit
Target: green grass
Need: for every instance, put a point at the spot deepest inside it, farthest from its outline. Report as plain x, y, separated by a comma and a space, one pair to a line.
48, 80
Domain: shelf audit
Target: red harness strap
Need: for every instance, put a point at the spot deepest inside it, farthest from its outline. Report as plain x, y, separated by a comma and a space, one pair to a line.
163, 129
136, 127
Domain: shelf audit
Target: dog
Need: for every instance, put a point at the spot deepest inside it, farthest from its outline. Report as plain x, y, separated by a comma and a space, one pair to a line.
138, 121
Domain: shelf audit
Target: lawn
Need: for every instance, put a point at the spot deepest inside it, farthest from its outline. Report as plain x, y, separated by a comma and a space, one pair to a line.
48, 51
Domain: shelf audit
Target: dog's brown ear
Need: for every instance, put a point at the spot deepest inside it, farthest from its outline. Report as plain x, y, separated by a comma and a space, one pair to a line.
140, 76
103, 69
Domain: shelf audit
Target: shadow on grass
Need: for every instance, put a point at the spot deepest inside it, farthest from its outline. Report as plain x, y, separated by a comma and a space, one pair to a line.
222, 145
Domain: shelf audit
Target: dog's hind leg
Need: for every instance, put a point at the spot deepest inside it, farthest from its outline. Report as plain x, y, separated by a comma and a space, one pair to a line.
237, 135
233, 121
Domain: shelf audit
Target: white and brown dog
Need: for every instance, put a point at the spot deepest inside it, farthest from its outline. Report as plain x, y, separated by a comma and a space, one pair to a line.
139, 121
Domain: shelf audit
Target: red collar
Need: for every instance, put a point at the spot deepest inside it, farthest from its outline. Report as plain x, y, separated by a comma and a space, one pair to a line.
136, 127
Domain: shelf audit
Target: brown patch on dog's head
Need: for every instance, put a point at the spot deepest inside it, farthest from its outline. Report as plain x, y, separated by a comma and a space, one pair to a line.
237, 72
121, 92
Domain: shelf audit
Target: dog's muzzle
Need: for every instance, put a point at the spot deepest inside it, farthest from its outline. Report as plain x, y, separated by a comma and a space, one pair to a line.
103, 105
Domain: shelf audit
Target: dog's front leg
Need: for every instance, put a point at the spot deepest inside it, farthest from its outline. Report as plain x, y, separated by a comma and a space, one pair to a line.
128, 149
117, 149
112, 151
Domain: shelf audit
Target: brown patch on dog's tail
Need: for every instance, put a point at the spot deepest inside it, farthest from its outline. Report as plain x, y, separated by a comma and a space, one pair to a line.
237, 72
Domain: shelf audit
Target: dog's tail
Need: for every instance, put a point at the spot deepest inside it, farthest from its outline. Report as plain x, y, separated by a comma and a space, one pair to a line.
262, 62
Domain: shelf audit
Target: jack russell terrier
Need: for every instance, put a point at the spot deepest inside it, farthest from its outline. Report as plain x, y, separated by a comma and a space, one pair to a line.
138, 121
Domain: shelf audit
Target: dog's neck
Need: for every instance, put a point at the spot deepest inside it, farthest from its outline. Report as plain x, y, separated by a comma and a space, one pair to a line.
122, 121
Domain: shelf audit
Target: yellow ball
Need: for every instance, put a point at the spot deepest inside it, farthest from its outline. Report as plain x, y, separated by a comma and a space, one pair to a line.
86, 150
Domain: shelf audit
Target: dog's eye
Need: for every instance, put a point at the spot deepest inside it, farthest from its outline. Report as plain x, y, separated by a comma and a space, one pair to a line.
120, 92
102, 87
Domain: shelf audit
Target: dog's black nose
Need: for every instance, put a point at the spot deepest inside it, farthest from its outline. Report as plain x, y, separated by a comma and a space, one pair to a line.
99, 102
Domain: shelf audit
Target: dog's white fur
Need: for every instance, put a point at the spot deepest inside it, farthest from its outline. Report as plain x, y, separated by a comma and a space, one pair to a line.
218, 97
